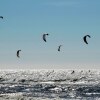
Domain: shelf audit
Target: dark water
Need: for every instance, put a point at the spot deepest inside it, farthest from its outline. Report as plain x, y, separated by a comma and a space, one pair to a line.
51, 85
56, 90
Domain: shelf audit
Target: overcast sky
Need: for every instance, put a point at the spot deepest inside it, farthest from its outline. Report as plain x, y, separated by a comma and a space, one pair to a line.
67, 21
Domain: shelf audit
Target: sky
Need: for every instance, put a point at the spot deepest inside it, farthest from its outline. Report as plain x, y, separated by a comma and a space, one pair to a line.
66, 21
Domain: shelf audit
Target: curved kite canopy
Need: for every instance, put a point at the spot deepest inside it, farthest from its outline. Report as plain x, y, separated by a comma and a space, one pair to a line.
18, 53
1, 17
44, 37
85, 38
59, 47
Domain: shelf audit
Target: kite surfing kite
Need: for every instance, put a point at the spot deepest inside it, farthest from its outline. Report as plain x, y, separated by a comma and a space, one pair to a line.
18, 53
44, 37
59, 47
1, 17
85, 38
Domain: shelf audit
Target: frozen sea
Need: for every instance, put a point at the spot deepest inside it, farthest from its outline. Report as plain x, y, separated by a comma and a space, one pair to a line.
49, 84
